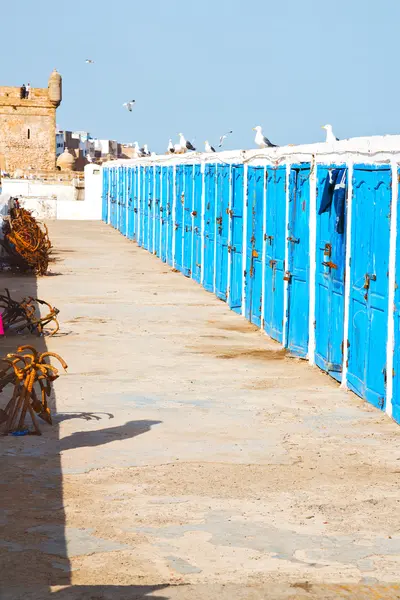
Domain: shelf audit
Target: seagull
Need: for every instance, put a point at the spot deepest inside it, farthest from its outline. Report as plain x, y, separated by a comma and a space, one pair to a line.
89, 61
184, 143
261, 140
208, 148
171, 147
178, 149
223, 137
129, 105
136, 150
330, 136
144, 151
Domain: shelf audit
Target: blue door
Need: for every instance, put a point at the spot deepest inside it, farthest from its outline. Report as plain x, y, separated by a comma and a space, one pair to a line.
113, 197
298, 261
123, 202
196, 252
367, 336
135, 185
179, 200
329, 280
169, 217
104, 196
236, 238
141, 206
157, 213
130, 227
209, 227
187, 220
150, 207
163, 214
275, 227
222, 231
254, 244
396, 351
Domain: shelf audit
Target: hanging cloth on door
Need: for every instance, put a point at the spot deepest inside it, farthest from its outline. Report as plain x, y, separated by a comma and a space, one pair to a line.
335, 191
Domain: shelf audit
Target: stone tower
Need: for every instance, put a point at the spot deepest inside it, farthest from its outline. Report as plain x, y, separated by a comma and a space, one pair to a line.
28, 127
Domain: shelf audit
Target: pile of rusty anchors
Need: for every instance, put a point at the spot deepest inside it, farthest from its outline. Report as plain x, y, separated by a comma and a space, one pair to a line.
25, 371
25, 315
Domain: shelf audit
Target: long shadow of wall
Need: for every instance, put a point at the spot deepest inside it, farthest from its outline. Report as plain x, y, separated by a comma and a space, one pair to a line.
33, 547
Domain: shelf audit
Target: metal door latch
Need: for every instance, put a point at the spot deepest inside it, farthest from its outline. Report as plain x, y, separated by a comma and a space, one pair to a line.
328, 250
287, 276
219, 220
293, 239
231, 249
329, 264
229, 212
367, 279
268, 237
194, 213
254, 254
272, 263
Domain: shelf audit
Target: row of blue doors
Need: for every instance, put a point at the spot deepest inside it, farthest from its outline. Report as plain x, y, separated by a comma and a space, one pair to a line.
247, 240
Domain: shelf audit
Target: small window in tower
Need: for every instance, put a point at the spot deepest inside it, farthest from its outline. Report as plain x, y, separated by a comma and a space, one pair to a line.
29, 134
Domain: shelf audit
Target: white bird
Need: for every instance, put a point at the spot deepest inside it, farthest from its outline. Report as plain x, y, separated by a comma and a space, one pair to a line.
136, 150
261, 140
145, 151
178, 149
330, 136
184, 143
223, 137
208, 148
129, 105
171, 147
89, 61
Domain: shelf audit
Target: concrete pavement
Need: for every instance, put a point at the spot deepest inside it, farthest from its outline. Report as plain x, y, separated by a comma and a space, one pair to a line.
188, 450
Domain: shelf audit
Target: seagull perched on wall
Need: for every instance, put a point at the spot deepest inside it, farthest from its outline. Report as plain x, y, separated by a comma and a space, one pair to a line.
208, 148
261, 140
145, 151
330, 136
223, 137
171, 147
185, 144
136, 150
89, 61
129, 105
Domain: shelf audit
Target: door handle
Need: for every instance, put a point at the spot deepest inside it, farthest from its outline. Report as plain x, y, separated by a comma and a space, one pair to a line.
328, 250
367, 279
293, 239
287, 276
268, 237
272, 263
329, 264
219, 220
231, 249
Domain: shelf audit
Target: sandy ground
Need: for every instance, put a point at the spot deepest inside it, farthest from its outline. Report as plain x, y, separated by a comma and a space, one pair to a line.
190, 458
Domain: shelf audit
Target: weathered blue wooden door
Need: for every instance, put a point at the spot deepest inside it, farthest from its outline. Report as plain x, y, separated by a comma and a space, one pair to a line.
329, 281
297, 274
157, 200
130, 215
104, 195
254, 244
275, 244
396, 349
121, 199
169, 215
141, 201
222, 231
196, 253
187, 220
180, 195
113, 197
163, 213
150, 207
209, 227
236, 238
135, 185
367, 336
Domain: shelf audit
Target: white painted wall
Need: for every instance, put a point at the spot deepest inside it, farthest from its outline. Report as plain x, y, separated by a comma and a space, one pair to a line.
60, 200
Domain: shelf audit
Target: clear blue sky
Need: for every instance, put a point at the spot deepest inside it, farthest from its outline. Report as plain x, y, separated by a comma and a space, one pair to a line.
205, 66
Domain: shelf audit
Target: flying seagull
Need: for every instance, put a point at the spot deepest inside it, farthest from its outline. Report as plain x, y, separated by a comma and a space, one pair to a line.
89, 61
129, 105
184, 144
223, 137
171, 148
208, 148
261, 140
330, 136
